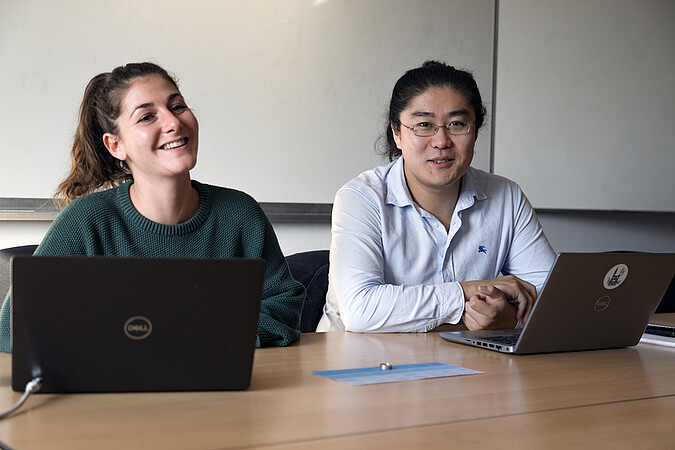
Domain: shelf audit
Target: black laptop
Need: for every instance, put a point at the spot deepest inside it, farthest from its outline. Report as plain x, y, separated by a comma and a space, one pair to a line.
589, 301
113, 324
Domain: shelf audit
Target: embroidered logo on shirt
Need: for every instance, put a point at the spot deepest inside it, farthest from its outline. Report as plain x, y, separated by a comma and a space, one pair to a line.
482, 249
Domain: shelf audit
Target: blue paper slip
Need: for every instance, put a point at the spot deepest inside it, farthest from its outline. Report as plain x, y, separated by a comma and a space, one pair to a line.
404, 372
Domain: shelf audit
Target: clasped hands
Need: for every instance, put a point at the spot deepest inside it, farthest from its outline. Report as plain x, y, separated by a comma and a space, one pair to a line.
498, 303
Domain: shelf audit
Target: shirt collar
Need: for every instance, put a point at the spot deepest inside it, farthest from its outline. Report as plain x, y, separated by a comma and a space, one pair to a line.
399, 195
470, 191
397, 189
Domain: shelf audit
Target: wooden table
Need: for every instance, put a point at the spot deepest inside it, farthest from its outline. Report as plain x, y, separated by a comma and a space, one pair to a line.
622, 398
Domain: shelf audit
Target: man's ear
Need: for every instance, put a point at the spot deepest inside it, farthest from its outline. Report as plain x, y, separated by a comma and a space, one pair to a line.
397, 135
114, 146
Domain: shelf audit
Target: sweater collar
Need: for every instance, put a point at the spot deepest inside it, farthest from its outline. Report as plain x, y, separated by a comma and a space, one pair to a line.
196, 221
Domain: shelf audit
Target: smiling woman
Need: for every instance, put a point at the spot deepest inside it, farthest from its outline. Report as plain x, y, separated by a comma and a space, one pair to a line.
161, 124
157, 139
130, 193
123, 111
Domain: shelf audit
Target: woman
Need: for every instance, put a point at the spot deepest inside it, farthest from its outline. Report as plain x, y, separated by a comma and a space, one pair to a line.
129, 193
423, 240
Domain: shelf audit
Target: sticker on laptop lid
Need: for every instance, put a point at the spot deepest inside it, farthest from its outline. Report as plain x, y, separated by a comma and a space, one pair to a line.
615, 276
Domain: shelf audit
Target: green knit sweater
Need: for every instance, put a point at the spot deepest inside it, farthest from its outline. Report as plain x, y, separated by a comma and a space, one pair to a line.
229, 223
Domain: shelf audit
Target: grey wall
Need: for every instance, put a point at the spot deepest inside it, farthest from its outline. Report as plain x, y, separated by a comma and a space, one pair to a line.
42, 80
290, 94
584, 102
601, 231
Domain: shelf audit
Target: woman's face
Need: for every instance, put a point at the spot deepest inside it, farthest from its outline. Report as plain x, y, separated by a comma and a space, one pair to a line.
158, 134
435, 163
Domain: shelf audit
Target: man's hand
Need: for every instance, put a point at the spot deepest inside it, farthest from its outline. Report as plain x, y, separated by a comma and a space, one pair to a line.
510, 289
489, 310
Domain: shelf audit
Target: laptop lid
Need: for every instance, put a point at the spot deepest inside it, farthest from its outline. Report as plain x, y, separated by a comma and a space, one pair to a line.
589, 301
113, 324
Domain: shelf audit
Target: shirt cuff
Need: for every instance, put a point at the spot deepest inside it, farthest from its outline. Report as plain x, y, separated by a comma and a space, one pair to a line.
453, 303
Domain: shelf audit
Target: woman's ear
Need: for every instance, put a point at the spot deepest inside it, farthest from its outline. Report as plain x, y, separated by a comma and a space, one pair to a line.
396, 134
114, 146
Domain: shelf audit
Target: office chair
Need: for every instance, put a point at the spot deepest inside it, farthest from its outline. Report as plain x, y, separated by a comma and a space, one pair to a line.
311, 269
6, 268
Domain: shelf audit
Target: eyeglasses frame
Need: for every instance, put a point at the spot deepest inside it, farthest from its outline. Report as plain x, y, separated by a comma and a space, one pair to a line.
447, 129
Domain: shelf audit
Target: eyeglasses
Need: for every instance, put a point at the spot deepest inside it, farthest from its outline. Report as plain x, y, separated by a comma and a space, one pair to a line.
426, 129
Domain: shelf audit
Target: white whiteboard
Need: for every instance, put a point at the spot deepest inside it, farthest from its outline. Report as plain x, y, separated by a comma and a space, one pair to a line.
585, 102
315, 75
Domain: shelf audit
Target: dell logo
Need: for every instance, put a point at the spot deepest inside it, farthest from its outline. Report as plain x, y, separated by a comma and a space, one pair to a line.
138, 327
602, 303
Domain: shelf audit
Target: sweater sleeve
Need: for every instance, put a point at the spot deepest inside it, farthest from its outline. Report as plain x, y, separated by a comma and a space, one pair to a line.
244, 230
282, 297
6, 324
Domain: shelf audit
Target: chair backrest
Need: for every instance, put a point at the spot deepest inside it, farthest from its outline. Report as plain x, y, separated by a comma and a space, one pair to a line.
311, 269
6, 268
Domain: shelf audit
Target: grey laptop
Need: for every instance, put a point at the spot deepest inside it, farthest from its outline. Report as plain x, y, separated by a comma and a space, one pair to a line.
112, 324
589, 301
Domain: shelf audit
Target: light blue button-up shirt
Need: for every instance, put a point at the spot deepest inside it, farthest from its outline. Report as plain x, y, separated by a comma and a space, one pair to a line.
393, 266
